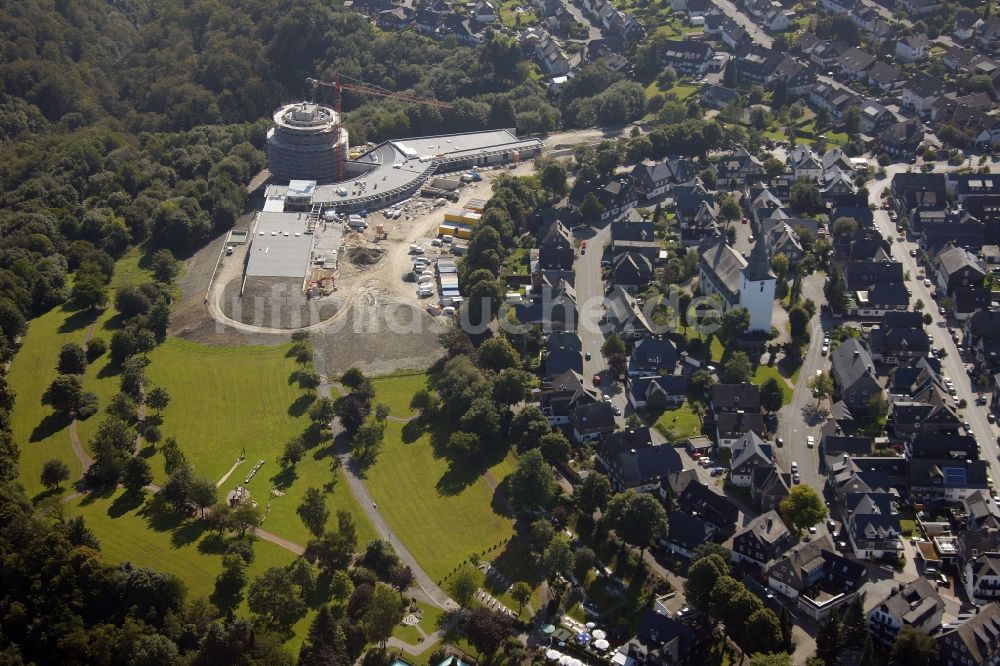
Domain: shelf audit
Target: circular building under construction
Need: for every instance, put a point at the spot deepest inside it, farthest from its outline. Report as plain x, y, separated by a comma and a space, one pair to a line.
306, 143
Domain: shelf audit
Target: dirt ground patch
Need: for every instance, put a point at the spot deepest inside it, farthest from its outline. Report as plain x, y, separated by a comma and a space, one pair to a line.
364, 256
276, 303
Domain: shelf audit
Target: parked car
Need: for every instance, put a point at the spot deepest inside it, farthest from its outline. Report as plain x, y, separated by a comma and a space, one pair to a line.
597, 380
587, 356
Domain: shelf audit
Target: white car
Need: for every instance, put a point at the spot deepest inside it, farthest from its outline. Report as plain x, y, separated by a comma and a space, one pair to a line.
927, 282
825, 350
795, 466
810, 441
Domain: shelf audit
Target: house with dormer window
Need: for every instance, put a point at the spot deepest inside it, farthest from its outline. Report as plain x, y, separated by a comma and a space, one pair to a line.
871, 521
915, 605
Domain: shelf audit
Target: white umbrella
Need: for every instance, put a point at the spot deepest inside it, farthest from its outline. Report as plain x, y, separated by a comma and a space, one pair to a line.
601, 644
575, 662
591, 625
565, 660
598, 634
553, 655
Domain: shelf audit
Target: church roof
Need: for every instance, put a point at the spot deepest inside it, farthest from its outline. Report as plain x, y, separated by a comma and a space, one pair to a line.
759, 264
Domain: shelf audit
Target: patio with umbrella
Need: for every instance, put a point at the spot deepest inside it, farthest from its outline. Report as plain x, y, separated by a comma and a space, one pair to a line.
565, 660
583, 637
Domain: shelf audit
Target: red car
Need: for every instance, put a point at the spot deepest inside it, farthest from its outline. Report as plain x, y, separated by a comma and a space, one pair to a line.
597, 379
583, 247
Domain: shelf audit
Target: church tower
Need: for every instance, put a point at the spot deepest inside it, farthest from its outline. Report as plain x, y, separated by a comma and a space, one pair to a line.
757, 288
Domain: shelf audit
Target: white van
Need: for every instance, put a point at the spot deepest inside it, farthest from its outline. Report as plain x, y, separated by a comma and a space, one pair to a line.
416, 249
447, 238
448, 310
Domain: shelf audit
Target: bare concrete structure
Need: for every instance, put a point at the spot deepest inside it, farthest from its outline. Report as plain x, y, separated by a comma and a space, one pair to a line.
306, 142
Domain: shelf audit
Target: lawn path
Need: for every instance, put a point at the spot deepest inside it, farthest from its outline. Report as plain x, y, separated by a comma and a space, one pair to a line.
232, 469
74, 438
434, 593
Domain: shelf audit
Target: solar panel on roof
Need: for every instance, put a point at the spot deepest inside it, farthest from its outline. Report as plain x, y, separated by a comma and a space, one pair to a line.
954, 475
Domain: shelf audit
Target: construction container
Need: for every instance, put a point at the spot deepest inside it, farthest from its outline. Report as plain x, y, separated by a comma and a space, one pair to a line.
463, 231
447, 229
450, 184
476, 205
453, 214
470, 218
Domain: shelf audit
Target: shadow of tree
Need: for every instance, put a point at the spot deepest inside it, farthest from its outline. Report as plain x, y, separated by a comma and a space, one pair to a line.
79, 320
48, 426
516, 563
412, 431
125, 503
301, 404
285, 478
463, 471
213, 544
499, 502
814, 415
160, 516
99, 493
188, 532
110, 369
46, 494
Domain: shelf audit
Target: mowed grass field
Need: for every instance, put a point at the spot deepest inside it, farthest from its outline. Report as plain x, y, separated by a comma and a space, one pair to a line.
442, 511
41, 436
128, 534
225, 399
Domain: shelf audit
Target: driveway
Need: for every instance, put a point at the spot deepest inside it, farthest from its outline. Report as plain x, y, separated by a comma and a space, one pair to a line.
593, 31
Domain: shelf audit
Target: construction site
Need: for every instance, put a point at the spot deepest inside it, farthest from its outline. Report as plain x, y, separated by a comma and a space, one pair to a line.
346, 227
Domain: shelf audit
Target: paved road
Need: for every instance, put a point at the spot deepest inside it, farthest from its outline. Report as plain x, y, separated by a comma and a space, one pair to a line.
593, 31
590, 297
756, 32
798, 419
952, 365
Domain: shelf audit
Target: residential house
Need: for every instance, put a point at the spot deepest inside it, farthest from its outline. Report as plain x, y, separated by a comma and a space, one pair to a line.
485, 12
688, 57
555, 248
919, 6
653, 356
616, 196
397, 18
826, 54
854, 63
590, 421
913, 48
912, 191
625, 316
563, 353
734, 398
731, 427
946, 479
818, 580
988, 35
956, 267
764, 539
854, 374
779, 19
748, 453
652, 179
920, 93
885, 77
901, 140
958, 59
834, 100
899, 337
660, 640
982, 578
634, 233
710, 505
874, 288
782, 239
738, 169
974, 641
915, 604
717, 97
631, 270
633, 462
685, 533
911, 419
656, 392
966, 23
755, 64
563, 394
734, 35
871, 520
797, 76
875, 117
768, 487
553, 308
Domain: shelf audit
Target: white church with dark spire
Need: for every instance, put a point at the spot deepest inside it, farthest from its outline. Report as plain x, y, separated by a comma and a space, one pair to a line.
738, 281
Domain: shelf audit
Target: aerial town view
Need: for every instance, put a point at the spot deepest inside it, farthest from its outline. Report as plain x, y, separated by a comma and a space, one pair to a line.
500, 332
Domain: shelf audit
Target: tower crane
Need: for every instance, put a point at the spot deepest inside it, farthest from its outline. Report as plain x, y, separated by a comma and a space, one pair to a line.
339, 86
